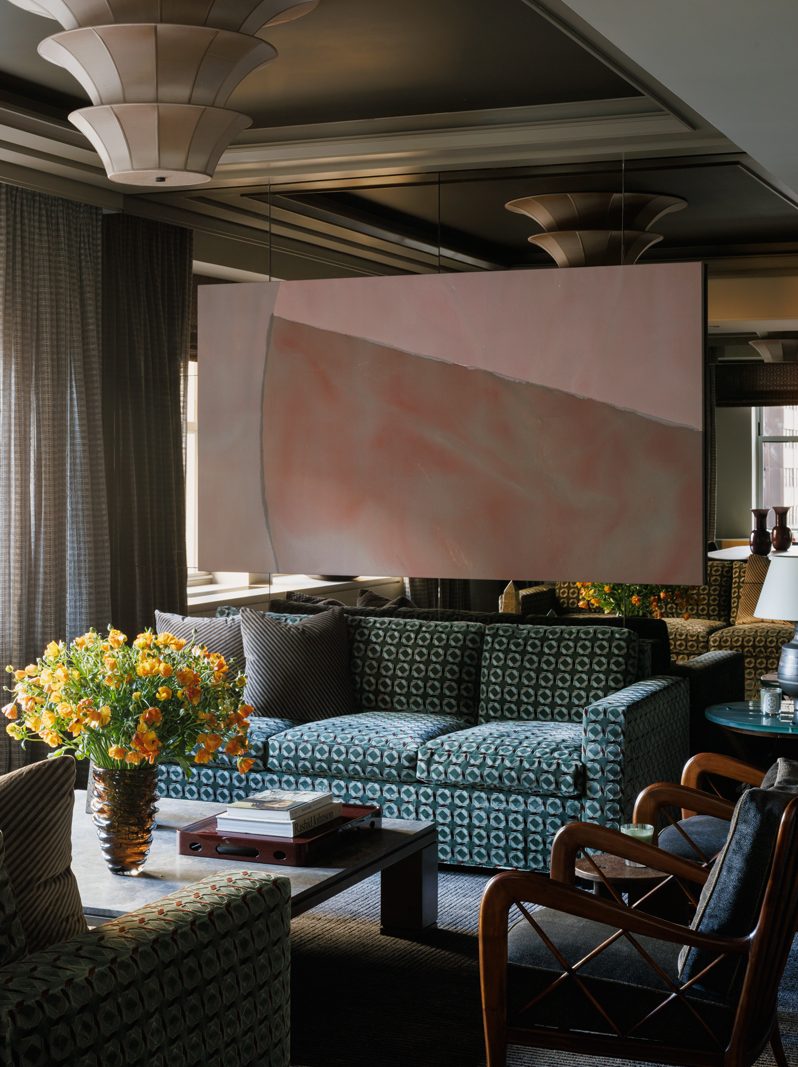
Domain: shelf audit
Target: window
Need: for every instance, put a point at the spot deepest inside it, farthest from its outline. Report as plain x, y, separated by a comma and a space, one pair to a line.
776, 443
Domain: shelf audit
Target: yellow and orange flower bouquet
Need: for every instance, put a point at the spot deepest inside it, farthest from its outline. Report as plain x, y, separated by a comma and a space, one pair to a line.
157, 699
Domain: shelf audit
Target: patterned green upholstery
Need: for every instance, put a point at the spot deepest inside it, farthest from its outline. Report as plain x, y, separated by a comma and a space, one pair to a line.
517, 756
380, 746
550, 673
713, 600
631, 739
416, 666
691, 637
563, 734
198, 979
760, 644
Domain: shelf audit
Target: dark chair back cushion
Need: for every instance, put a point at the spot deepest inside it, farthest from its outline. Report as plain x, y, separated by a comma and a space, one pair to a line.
732, 896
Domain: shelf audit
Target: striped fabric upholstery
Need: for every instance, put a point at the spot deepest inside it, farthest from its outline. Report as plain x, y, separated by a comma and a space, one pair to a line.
13, 945
218, 635
297, 670
36, 822
756, 569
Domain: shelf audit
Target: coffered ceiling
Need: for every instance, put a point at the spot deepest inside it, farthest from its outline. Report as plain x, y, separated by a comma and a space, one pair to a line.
388, 136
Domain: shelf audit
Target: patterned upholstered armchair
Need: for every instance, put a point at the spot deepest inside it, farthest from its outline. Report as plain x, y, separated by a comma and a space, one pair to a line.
200, 978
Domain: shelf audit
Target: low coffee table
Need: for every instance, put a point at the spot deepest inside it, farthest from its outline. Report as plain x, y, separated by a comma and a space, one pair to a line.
404, 853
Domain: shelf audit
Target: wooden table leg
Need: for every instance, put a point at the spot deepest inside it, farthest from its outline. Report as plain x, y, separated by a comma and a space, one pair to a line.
409, 894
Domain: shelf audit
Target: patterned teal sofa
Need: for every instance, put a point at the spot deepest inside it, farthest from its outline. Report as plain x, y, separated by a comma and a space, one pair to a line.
499, 734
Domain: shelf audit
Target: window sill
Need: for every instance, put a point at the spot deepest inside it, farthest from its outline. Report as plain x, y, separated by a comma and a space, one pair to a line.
205, 599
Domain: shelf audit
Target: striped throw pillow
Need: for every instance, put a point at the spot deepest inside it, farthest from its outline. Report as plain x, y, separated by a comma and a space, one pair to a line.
218, 635
298, 670
756, 568
13, 945
36, 805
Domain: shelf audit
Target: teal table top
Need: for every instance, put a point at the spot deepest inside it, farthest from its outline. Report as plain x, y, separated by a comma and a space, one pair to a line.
746, 717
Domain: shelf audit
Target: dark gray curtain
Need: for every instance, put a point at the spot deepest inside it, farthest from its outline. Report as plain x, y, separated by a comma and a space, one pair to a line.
146, 323
711, 445
54, 567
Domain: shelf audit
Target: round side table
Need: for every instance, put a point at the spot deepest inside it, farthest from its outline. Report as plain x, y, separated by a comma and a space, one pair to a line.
634, 881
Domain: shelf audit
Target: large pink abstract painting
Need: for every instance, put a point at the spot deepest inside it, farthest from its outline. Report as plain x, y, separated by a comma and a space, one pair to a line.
543, 424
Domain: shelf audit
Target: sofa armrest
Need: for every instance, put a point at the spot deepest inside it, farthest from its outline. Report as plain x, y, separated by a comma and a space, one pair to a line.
199, 977
538, 599
631, 738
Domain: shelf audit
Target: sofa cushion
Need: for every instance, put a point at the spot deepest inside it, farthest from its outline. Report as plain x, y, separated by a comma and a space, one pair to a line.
413, 666
297, 669
377, 746
707, 833
261, 729
551, 673
690, 637
760, 644
523, 757
36, 805
217, 634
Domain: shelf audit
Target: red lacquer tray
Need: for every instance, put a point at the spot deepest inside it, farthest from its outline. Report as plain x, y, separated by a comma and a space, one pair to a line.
203, 839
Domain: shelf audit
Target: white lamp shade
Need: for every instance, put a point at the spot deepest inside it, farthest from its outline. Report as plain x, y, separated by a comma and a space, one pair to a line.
779, 596
242, 16
159, 145
145, 63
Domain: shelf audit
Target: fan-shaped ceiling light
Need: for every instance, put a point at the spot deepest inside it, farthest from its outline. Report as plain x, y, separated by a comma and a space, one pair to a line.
595, 229
159, 74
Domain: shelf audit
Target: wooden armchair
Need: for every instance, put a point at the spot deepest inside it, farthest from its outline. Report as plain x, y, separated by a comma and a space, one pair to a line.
599, 977
693, 817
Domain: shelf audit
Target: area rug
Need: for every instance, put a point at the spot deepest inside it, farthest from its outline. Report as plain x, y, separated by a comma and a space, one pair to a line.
363, 1000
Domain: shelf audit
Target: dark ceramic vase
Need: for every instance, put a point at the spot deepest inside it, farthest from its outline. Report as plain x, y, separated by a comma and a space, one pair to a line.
759, 540
123, 806
781, 534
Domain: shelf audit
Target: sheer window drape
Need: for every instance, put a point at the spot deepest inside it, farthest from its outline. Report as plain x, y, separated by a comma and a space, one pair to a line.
54, 561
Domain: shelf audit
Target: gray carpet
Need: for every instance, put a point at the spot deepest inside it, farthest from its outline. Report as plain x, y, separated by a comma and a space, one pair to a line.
363, 1000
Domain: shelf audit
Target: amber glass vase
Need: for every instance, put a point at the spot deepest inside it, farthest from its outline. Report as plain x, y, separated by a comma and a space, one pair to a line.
123, 806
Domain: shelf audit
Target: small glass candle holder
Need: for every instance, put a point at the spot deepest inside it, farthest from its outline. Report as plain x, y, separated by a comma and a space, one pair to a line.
642, 831
770, 700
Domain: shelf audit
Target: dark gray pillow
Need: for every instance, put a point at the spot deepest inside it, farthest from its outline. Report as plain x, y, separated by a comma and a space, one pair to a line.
732, 895
369, 599
218, 635
308, 598
782, 775
300, 669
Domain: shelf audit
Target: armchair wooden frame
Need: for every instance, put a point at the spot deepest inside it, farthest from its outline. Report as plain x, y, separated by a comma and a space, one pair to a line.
667, 803
763, 951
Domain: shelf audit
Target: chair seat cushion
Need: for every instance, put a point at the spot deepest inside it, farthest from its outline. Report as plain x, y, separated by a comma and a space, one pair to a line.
618, 977
691, 637
375, 745
707, 833
528, 757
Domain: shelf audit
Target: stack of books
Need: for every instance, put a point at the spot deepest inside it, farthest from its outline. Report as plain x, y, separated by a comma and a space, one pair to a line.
279, 813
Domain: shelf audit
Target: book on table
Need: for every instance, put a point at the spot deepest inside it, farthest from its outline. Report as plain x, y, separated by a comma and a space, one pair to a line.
274, 805
302, 824
279, 813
